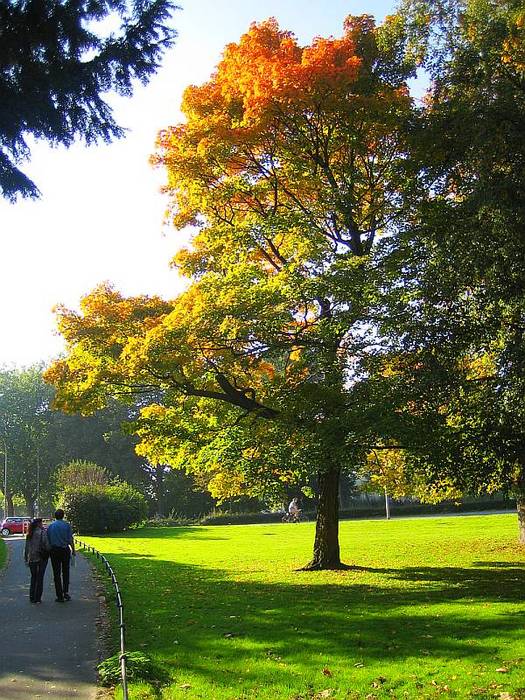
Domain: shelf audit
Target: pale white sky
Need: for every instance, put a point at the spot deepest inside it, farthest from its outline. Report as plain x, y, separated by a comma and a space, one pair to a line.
100, 216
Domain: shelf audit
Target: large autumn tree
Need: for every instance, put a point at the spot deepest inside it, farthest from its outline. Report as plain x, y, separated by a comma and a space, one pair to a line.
58, 61
289, 165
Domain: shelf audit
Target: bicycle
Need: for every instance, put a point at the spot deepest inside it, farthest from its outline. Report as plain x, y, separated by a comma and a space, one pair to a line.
297, 517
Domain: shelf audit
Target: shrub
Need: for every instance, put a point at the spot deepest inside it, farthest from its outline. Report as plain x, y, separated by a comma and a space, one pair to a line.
224, 518
100, 509
80, 472
139, 667
174, 520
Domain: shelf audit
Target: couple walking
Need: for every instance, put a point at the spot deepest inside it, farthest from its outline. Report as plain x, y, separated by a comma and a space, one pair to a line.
56, 543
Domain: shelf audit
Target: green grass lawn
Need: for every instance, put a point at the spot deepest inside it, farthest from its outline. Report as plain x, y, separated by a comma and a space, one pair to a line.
3, 554
434, 607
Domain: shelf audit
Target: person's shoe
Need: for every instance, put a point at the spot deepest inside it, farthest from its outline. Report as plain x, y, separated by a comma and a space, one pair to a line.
67, 596
59, 600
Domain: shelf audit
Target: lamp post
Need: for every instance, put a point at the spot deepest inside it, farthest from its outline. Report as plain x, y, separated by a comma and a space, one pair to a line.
37, 484
5, 474
4, 440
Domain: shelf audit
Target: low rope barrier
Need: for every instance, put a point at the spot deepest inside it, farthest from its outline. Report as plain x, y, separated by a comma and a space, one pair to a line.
120, 607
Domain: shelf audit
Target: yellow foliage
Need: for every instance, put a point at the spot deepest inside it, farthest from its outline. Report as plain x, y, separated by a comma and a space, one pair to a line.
386, 470
225, 485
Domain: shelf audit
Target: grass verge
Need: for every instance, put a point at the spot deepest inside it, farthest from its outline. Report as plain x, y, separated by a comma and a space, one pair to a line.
432, 608
3, 554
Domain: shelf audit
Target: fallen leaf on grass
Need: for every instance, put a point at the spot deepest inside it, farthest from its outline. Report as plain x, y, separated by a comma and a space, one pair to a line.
323, 694
505, 696
378, 682
327, 672
502, 670
185, 686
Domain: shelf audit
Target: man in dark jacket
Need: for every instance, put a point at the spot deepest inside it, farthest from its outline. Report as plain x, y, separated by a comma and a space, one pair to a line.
60, 537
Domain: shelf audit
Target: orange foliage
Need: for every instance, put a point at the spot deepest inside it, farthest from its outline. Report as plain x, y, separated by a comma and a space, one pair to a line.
268, 67
279, 124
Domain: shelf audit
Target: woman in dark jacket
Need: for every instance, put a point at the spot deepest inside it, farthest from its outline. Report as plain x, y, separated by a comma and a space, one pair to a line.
36, 555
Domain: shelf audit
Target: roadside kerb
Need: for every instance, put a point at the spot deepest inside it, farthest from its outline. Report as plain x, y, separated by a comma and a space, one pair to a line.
120, 607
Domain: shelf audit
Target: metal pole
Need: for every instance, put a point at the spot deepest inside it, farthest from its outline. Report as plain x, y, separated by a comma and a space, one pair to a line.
120, 606
387, 505
123, 656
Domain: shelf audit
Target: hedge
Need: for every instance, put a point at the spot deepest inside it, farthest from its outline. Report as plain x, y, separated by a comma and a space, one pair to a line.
98, 509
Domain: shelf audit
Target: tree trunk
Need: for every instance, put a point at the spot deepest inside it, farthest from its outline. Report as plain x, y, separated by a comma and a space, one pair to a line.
326, 545
160, 491
520, 503
30, 504
10, 504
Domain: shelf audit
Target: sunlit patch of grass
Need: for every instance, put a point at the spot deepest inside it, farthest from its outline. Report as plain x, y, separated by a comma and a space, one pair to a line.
3, 554
433, 607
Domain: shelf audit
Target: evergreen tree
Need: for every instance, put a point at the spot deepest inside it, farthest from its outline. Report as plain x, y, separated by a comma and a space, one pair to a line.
56, 63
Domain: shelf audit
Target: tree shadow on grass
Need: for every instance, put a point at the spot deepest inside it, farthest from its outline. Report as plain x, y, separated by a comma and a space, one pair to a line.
501, 564
503, 583
171, 532
239, 633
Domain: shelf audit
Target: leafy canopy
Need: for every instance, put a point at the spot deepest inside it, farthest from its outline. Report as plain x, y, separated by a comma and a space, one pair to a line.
291, 163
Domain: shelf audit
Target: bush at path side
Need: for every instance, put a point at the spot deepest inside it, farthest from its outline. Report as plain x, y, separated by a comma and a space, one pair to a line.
112, 508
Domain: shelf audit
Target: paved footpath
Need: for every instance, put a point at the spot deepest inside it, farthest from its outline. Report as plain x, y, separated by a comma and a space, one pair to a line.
47, 650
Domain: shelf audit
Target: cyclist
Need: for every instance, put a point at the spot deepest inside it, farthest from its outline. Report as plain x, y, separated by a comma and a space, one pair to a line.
294, 512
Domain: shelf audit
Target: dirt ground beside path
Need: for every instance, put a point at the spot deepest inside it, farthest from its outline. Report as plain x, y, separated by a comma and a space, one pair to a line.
48, 650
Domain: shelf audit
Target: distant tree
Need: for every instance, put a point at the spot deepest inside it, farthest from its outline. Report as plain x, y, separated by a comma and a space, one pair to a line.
38, 440
24, 425
182, 496
80, 473
56, 62
99, 438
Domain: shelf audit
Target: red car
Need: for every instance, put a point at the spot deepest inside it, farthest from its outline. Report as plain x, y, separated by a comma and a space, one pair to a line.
14, 525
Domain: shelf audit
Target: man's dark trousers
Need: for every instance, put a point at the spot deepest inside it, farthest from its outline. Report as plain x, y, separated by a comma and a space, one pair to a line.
60, 562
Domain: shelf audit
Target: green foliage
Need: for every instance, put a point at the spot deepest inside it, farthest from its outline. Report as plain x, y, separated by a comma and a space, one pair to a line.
111, 508
174, 520
183, 496
452, 377
139, 667
38, 439
3, 554
226, 518
25, 420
